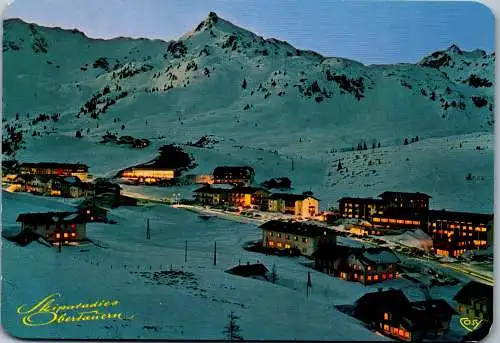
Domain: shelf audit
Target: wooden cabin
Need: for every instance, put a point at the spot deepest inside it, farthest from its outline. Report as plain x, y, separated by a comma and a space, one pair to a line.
55, 226
392, 314
475, 299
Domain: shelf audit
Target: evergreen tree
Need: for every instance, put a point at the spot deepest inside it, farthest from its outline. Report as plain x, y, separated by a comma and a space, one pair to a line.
232, 330
469, 177
406, 141
339, 167
379, 144
244, 84
373, 146
364, 146
416, 139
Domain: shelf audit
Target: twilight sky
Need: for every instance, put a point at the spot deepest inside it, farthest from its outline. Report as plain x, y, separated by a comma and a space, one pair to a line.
368, 31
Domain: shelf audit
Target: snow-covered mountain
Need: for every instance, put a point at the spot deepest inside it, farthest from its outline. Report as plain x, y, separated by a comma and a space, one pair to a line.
264, 101
221, 79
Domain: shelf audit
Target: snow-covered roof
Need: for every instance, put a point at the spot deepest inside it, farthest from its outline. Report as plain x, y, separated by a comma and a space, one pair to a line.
381, 256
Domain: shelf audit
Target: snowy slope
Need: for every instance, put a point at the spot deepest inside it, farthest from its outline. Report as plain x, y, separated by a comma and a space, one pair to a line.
194, 86
192, 308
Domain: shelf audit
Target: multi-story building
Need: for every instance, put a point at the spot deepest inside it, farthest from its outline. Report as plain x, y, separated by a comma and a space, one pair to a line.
299, 205
148, 174
59, 169
454, 233
238, 176
249, 197
362, 208
475, 299
61, 227
301, 236
367, 266
211, 196
419, 202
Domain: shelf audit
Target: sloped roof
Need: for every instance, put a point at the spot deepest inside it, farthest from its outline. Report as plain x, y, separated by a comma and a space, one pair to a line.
211, 190
474, 290
48, 218
72, 166
460, 216
379, 255
241, 170
248, 190
297, 228
416, 195
290, 197
246, 270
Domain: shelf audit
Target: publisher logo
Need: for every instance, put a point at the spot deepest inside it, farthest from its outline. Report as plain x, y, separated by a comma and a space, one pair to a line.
470, 324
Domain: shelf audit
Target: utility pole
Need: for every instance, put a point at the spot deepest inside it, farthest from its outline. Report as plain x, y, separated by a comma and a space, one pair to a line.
186, 252
309, 284
215, 253
292, 165
148, 231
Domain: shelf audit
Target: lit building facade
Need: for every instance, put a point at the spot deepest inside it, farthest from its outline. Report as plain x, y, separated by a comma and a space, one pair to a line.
58, 169
148, 175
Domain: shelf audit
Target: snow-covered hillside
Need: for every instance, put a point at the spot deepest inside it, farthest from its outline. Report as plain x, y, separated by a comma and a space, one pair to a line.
221, 79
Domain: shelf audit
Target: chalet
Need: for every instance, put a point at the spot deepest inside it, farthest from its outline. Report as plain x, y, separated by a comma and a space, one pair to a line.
211, 196
391, 313
145, 174
292, 235
238, 176
362, 208
419, 202
300, 205
36, 184
59, 169
454, 233
475, 300
364, 265
55, 226
93, 213
249, 197
68, 187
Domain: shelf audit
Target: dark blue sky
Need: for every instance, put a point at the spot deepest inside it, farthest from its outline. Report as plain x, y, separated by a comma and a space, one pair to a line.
367, 31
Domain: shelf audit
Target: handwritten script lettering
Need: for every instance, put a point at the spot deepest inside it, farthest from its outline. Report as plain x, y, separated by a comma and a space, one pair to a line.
48, 311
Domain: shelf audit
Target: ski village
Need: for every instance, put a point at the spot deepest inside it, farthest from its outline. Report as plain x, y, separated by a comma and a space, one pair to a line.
274, 211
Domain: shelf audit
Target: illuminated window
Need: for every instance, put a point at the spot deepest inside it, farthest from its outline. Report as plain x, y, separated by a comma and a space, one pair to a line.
355, 276
369, 268
386, 316
401, 332
392, 220
369, 278
58, 235
416, 222
375, 277
271, 234
287, 246
65, 235
376, 220
408, 222
386, 327
383, 276
279, 245
271, 243
400, 221
73, 234
296, 238
384, 220
407, 334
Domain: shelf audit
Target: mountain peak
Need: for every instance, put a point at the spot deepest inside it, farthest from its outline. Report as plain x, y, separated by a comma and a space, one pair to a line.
454, 48
208, 22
